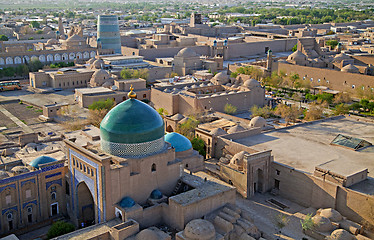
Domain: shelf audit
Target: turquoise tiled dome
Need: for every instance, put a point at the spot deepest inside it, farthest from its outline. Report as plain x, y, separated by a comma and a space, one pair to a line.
156, 194
132, 128
127, 202
178, 141
41, 160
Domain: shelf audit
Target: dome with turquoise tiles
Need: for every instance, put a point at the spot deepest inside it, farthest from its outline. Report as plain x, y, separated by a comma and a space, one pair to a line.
132, 129
126, 202
179, 142
41, 160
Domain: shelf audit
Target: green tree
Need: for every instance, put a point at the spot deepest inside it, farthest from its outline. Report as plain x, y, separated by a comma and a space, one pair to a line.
34, 65
35, 24
332, 43
102, 104
60, 228
126, 73
230, 109
3, 38
162, 112
264, 112
294, 48
199, 145
39, 32
307, 223
187, 128
289, 113
314, 112
341, 109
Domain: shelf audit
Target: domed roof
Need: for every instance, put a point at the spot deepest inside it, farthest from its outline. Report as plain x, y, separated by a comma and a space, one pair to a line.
97, 64
350, 68
322, 224
220, 78
257, 122
99, 77
331, 214
340, 57
237, 159
20, 169
156, 194
178, 141
251, 83
126, 202
147, 234
187, 52
177, 117
52, 41
235, 129
41, 160
132, 122
341, 234
199, 229
75, 37
101, 73
297, 55
218, 132
3, 174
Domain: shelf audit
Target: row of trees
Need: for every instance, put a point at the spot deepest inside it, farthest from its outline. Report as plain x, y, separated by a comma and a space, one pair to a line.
21, 70
127, 73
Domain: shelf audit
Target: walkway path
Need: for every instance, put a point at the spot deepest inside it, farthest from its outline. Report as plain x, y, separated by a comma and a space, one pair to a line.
25, 128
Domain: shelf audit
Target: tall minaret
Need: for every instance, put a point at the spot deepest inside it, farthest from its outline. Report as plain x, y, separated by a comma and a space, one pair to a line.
61, 28
269, 61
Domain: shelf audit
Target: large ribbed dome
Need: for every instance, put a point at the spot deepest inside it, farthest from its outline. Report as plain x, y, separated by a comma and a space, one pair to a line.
132, 129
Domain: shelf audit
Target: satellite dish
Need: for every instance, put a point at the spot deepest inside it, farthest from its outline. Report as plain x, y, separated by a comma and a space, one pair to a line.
114, 88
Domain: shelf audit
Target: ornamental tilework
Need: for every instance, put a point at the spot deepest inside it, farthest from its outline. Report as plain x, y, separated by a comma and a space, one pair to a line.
31, 202
137, 150
8, 186
26, 181
48, 184
53, 175
95, 166
15, 208
49, 168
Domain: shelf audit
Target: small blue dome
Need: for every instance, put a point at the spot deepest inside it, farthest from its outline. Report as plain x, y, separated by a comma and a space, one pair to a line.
127, 202
41, 160
178, 141
156, 194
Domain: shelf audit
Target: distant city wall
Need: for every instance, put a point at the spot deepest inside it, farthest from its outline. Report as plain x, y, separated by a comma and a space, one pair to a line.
337, 80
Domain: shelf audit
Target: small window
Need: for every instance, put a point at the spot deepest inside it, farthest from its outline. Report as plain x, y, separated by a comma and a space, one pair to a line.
8, 199
29, 210
53, 188
9, 216
28, 193
92, 173
153, 169
278, 172
353, 86
67, 188
84, 168
53, 196
144, 95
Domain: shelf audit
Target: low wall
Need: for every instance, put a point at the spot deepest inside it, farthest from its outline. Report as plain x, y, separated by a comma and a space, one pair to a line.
310, 191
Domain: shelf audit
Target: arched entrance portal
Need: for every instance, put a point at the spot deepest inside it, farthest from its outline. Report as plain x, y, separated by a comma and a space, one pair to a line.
169, 129
86, 206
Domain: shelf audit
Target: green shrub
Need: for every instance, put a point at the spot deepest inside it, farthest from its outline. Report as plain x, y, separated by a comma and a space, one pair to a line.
60, 228
102, 104
198, 144
230, 109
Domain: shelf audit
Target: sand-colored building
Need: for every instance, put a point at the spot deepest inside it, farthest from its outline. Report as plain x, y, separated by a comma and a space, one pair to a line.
109, 166
214, 95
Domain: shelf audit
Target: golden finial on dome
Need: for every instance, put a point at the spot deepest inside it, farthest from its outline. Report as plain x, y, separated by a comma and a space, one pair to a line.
131, 94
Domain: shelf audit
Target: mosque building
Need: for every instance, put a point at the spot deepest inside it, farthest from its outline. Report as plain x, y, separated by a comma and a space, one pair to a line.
129, 169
